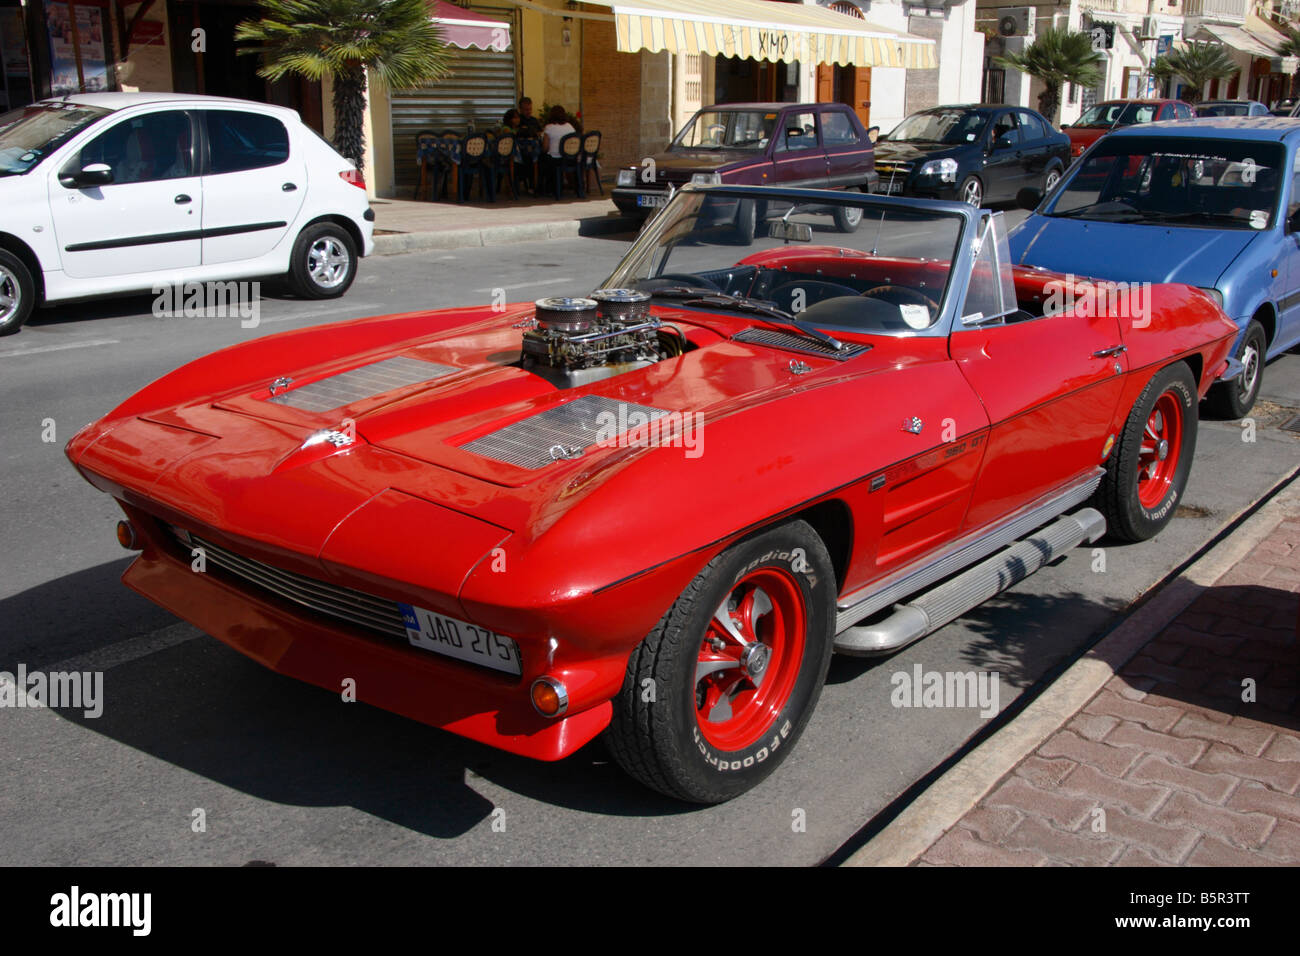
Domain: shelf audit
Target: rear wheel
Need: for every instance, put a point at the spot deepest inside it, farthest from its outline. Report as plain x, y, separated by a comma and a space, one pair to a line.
718, 693
1053, 177
324, 261
1235, 398
848, 218
746, 221
1147, 472
17, 293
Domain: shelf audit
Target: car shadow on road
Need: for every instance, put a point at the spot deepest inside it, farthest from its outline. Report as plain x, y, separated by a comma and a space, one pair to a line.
116, 307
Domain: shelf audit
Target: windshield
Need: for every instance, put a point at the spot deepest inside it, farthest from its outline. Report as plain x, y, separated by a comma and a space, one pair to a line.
1119, 114
1220, 184
951, 127
30, 134
727, 129
849, 265
1223, 109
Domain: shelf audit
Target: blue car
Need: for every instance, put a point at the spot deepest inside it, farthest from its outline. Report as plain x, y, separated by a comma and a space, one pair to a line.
1213, 203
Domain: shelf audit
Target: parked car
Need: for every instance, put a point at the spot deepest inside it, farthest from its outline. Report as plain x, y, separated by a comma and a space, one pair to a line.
811, 145
1231, 108
106, 193
1212, 203
1113, 114
1286, 107
654, 512
978, 154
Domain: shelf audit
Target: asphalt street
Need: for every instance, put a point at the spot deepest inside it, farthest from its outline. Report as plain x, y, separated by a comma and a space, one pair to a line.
288, 774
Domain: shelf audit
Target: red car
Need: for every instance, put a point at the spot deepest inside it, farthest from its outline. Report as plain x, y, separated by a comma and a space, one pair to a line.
654, 512
1098, 120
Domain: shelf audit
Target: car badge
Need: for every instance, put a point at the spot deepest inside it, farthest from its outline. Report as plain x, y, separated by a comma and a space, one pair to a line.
799, 368
913, 425
336, 438
283, 381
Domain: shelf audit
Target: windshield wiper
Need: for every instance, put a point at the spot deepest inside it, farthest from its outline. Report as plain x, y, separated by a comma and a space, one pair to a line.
757, 307
1092, 207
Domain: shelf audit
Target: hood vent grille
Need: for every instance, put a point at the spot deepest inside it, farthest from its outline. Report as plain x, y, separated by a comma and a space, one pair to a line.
363, 382
563, 432
793, 342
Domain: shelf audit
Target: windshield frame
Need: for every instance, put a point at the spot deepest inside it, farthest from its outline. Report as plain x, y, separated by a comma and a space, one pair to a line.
985, 116
96, 113
954, 292
758, 147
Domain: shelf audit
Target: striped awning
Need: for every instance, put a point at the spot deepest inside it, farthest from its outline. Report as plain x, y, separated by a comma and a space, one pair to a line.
762, 30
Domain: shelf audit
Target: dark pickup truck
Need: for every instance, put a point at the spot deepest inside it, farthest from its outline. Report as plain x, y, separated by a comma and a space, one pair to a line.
813, 145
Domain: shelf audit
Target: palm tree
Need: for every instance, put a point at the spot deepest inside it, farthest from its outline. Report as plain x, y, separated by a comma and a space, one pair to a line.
1057, 57
1197, 63
394, 40
1290, 47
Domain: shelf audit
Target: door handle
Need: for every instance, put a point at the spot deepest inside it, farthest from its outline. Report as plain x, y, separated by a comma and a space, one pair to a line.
1113, 350
288, 187
182, 199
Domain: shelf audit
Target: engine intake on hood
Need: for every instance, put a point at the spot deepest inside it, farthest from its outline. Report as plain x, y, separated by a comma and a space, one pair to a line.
580, 340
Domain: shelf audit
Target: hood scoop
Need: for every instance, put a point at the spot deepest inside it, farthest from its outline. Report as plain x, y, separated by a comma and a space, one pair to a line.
793, 342
363, 382
563, 432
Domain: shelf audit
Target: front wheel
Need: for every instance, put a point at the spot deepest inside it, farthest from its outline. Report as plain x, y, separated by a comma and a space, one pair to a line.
972, 192
1053, 177
848, 218
746, 221
718, 693
1147, 471
324, 261
1234, 399
17, 293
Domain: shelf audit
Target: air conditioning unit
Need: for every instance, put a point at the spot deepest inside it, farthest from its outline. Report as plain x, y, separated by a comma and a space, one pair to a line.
1150, 28
1016, 22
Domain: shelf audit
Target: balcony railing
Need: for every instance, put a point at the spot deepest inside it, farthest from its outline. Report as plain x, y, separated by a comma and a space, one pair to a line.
1228, 10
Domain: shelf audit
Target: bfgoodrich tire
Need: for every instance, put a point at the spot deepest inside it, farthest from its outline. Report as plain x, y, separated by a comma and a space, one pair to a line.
17, 293
1147, 472
718, 693
324, 261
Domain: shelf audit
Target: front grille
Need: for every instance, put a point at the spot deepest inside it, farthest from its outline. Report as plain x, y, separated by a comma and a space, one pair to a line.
898, 170
335, 391
331, 600
793, 342
563, 432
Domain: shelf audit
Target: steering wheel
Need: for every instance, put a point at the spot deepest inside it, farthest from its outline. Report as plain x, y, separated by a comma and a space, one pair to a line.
901, 295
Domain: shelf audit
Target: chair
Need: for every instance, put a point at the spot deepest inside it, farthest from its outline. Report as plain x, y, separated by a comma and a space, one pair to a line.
426, 151
570, 161
504, 157
530, 156
590, 161
474, 163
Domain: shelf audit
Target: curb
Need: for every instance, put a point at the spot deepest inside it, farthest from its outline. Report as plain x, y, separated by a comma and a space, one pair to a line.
948, 799
399, 243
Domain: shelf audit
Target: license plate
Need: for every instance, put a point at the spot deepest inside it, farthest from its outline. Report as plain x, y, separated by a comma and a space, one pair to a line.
889, 188
652, 202
459, 639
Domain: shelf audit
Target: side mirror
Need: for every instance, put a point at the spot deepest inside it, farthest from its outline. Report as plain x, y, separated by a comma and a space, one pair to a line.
1065, 126
95, 174
873, 133
1002, 142
1029, 198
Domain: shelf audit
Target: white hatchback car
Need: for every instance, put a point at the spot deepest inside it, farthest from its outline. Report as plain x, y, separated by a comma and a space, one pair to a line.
106, 193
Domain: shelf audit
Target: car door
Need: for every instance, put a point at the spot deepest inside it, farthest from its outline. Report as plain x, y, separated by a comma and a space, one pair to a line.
148, 218
797, 153
253, 186
1050, 386
1004, 172
848, 154
1035, 147
1289, 301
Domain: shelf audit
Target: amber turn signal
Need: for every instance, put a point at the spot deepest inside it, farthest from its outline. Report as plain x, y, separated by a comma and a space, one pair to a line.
126, 536
550, 699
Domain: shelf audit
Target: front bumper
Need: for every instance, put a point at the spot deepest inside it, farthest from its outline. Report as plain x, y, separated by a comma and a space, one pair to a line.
627, 201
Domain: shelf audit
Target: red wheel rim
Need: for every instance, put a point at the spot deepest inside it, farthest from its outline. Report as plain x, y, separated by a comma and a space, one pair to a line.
749, 658
1162, 442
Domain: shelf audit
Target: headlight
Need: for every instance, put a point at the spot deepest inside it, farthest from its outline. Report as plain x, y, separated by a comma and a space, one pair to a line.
1218, 296
945, 169
627, 177
706, 179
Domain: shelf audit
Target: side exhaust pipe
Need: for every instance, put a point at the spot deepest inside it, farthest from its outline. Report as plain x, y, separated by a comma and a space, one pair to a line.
948, 601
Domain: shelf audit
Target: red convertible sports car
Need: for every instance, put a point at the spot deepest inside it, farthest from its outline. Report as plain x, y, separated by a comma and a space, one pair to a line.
654, 511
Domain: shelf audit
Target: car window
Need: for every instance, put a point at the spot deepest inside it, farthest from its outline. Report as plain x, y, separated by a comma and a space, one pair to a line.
836, 129
727, 129
1182, 112
1031, 127
144, 148
799, 132
1004, 127
239, 141
949, 126
30, 134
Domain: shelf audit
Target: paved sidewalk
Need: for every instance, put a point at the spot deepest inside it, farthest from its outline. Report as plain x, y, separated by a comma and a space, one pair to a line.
1189, 754
402, 225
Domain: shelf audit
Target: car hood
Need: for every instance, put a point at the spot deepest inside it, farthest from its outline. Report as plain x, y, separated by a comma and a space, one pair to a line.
1125, 252
683, 162
888, 152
